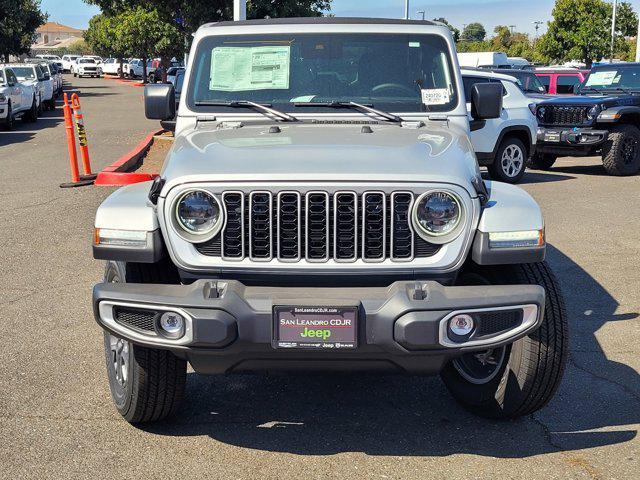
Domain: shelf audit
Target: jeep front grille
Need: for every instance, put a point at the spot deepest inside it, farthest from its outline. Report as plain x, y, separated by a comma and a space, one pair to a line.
318, 226
564, 115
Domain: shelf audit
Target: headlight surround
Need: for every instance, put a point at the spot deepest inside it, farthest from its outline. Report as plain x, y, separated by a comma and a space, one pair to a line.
593, 112
197, 216
438, 216
540, 112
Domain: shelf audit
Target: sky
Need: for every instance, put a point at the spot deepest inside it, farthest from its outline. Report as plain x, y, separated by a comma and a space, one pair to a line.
521, 13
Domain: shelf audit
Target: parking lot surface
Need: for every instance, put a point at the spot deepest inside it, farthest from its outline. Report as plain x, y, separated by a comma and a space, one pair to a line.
56, 416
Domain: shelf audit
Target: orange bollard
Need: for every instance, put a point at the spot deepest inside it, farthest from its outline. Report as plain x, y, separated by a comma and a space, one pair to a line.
76, 181
82, 137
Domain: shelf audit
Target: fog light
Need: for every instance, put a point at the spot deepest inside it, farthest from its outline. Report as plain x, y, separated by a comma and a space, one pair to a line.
172, 324
461, 325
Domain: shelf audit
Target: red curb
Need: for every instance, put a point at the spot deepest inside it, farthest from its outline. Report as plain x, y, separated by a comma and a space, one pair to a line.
117, 173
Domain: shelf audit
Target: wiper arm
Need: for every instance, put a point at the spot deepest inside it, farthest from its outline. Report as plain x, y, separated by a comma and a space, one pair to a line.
261, 107
622, 89
353, 105
584, 89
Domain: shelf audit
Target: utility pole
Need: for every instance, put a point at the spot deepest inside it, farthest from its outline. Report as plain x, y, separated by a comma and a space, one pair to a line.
537, 24
421, 12
406, 9
613, 29
239, 10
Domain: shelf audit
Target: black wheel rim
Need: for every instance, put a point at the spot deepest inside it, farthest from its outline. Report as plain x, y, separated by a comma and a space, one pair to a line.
629, 150
481, 367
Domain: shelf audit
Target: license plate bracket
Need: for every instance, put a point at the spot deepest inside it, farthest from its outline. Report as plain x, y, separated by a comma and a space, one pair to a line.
315, 327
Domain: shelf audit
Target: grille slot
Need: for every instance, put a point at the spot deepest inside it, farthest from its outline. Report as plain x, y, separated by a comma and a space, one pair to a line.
565, 115
136, 319
402, 241
345, 226
317, 226
492, 323
289, 226
233, 233
374, 236
260, 230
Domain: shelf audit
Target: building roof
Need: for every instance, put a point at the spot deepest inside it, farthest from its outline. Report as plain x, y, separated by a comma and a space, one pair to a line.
57, 27
56, 44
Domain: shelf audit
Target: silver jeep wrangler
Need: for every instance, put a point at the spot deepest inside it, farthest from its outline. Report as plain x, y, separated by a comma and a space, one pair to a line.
322, 209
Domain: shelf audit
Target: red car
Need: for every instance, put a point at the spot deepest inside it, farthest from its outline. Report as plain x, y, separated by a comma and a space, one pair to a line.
561, 82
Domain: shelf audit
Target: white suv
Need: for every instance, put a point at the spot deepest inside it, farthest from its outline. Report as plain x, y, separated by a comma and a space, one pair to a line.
503, 144
68, 61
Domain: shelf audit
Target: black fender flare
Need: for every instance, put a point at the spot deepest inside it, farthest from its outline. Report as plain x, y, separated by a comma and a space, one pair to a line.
613, 114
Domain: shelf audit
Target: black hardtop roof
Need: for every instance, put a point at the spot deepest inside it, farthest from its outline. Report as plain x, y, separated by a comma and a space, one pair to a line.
617, 65
322, 20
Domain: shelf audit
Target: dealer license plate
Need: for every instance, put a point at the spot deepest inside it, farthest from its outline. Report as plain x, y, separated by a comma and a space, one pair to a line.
315, 328
552, 137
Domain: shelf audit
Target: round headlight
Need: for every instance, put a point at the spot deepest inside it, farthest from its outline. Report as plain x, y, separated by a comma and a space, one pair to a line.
198, 213
437, 216
593, 112
541, 113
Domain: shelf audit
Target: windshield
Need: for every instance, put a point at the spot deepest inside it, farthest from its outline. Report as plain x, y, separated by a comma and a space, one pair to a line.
613, 79
396, 72
528, 82
1, 77
86, 60
25, 73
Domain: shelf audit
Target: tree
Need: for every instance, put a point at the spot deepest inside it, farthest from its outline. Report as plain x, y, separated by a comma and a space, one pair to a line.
502, 40
19, 20
105, 38
581, 29
474, 32
454, 31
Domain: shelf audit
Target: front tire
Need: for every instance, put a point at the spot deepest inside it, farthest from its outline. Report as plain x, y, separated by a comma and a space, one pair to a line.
521, 378
510, 163
543, 161
621, 151
9, 123
146, 384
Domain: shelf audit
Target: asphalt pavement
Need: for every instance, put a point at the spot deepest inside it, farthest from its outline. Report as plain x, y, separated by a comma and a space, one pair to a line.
56, 416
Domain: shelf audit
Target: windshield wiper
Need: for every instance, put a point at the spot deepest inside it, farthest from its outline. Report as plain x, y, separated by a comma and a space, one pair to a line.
353, 105
261, 107
623, 89
593, 89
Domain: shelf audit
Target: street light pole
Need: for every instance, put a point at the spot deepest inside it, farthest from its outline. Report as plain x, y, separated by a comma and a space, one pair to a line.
239, 10
421, 12
537, 24
613, 29
406, 9
638, 44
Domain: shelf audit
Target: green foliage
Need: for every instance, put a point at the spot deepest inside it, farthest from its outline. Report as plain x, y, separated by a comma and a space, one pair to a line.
581, 29
19, 20
104, 38
188, 15
454, 31
80, 47
474, 32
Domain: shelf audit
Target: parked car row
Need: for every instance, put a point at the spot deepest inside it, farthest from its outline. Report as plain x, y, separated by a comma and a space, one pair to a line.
26, 89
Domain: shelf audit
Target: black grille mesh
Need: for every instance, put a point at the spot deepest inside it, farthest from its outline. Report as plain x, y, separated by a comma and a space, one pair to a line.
341, 235
289, 225
374, 226
491, 323
346, 247
260, 219
135, 318
232, 235
564, 115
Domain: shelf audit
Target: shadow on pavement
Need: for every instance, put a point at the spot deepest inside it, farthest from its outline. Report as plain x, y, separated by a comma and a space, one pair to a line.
26, 131
412, 416
582, 170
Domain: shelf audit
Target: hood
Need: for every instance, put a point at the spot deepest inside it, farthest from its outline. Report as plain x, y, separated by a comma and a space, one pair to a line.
322, 153
579, 100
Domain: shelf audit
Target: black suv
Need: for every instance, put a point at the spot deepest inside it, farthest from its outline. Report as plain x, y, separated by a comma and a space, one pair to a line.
603, 118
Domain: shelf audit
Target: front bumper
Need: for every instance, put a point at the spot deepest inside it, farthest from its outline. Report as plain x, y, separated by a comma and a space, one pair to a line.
403, 327
574, 141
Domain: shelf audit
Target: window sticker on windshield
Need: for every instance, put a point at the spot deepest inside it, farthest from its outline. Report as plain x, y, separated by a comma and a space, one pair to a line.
414, 44
601, 78
235, 69
435, 96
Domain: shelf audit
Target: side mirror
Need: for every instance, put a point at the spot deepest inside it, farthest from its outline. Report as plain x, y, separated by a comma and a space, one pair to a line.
486, 101
159, 101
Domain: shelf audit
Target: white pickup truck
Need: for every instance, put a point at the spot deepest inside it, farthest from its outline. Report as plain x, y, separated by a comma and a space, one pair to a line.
16, 100
68, 61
